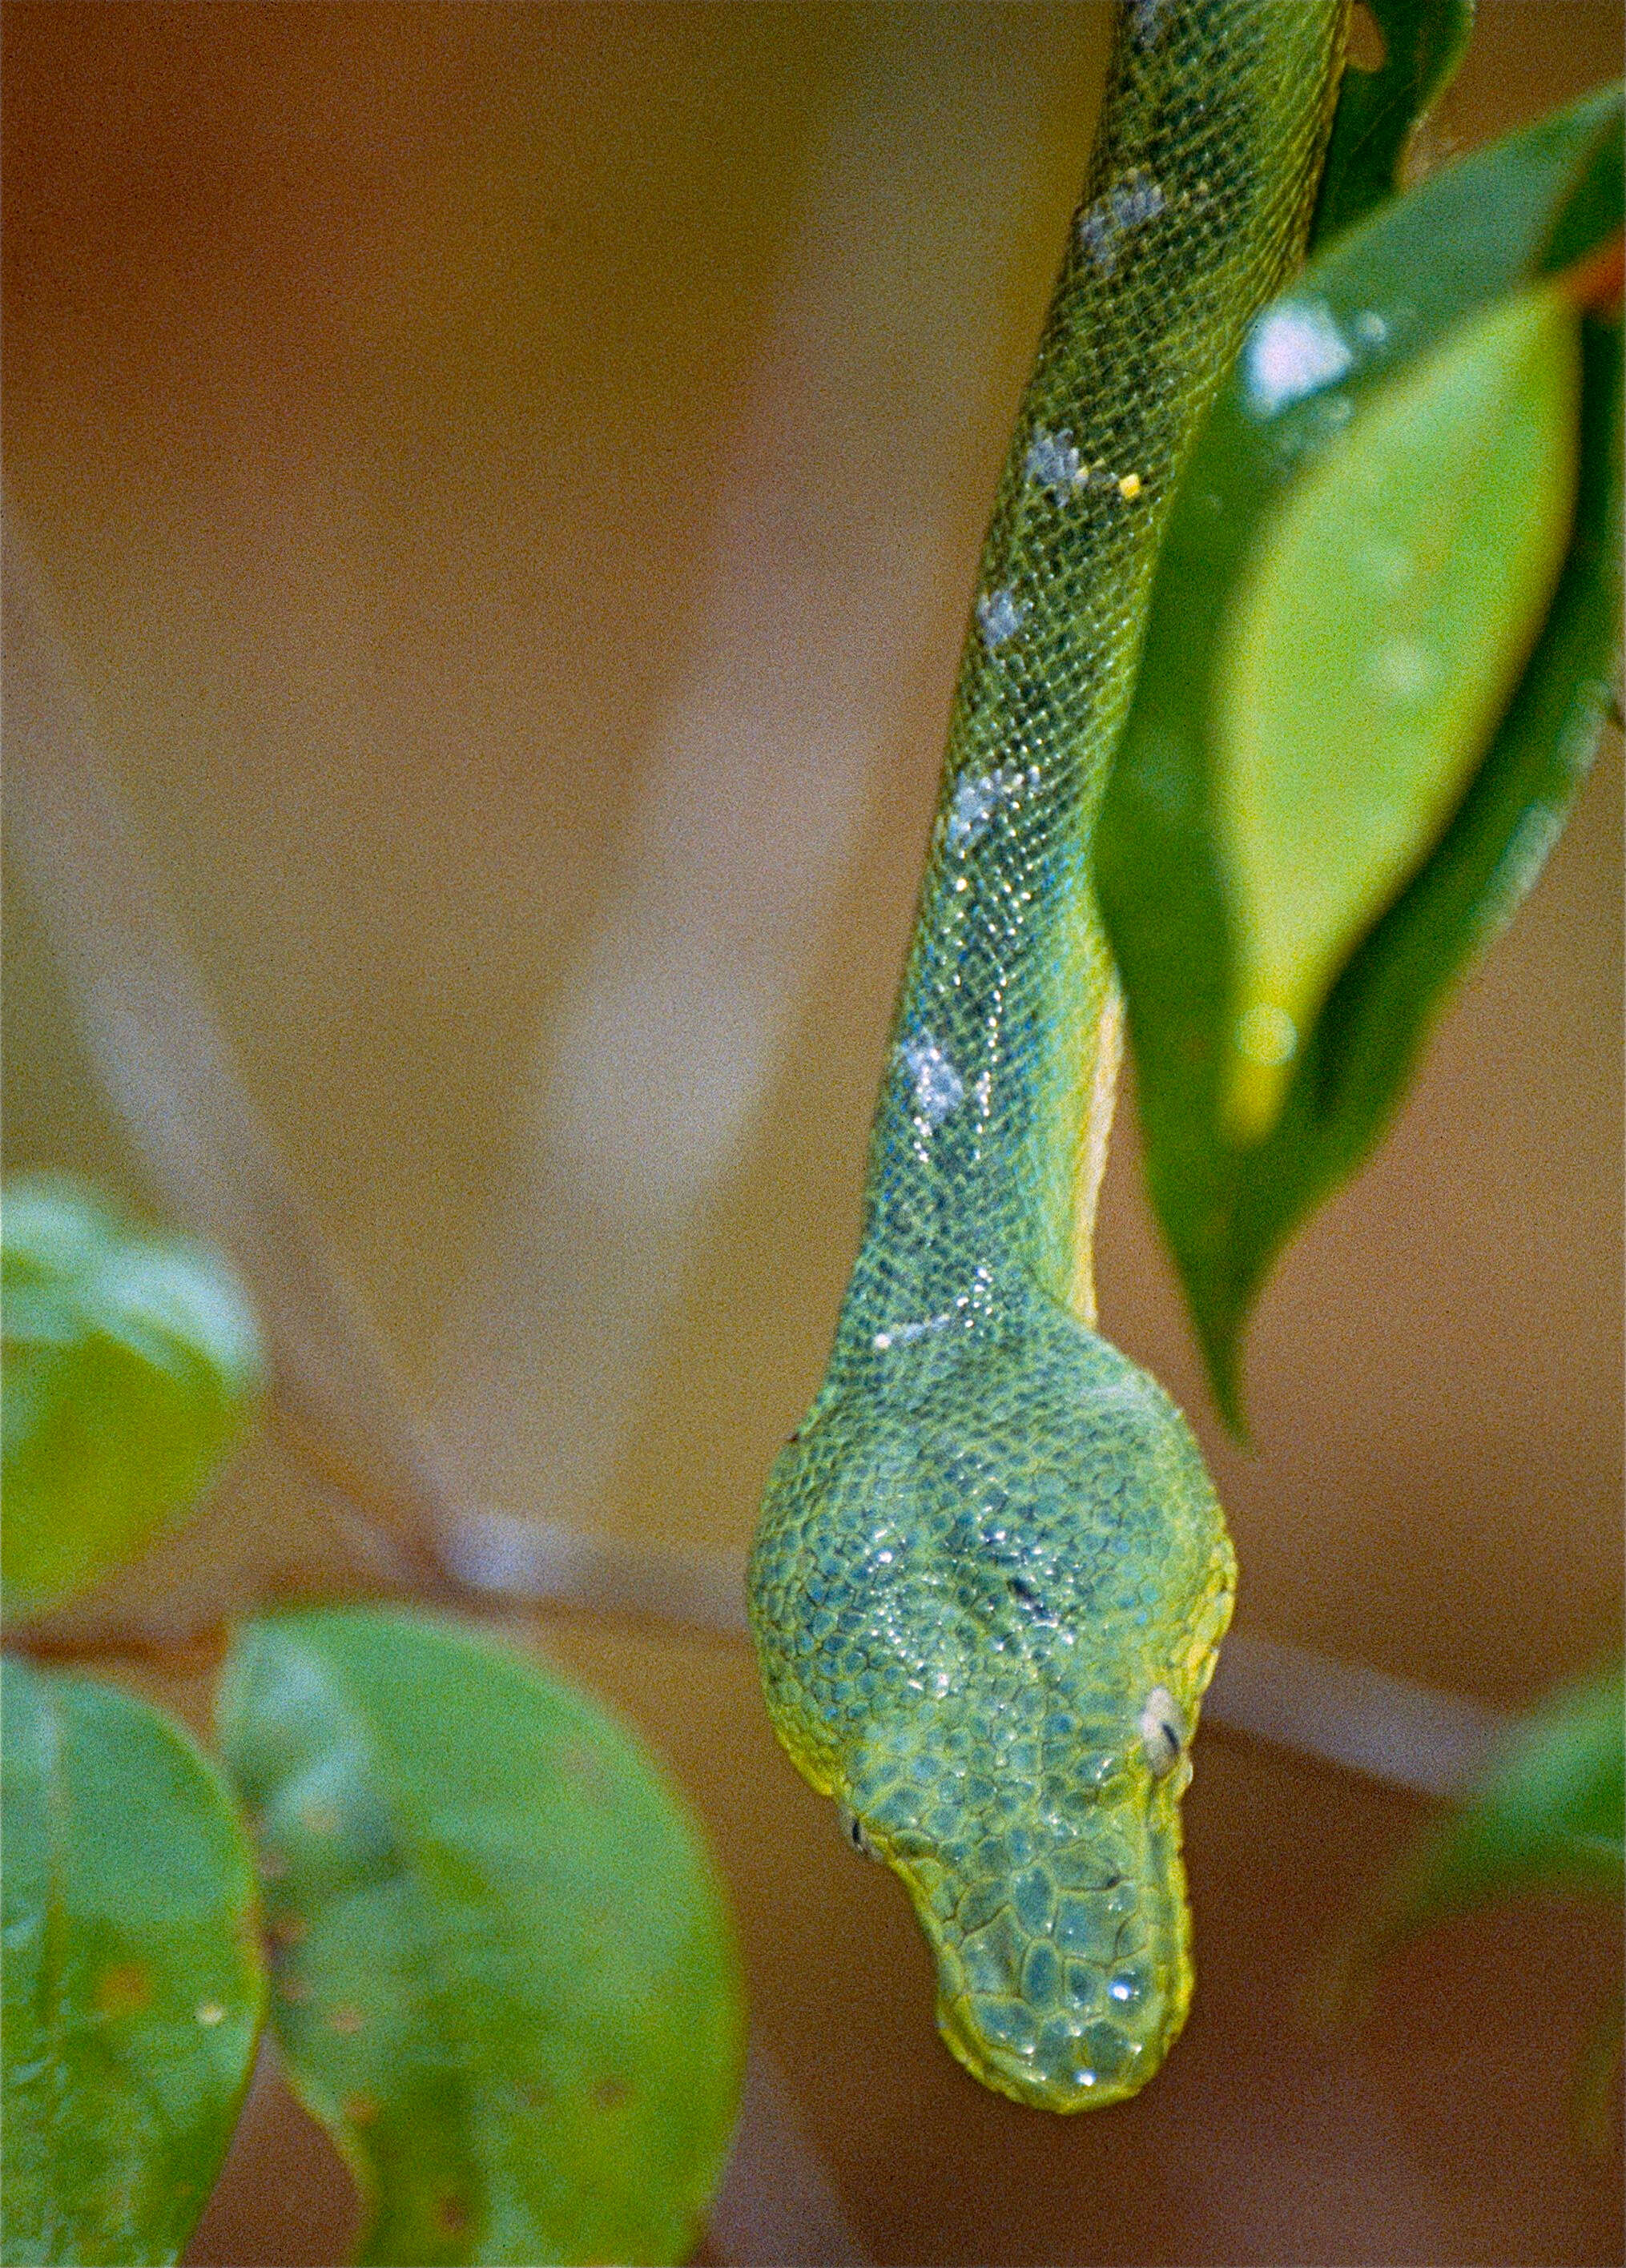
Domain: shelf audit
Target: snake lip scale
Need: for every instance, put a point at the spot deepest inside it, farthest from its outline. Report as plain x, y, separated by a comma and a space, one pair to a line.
991, 1575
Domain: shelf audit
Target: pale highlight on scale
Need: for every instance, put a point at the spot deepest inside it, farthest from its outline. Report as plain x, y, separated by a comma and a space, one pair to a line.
991, 1576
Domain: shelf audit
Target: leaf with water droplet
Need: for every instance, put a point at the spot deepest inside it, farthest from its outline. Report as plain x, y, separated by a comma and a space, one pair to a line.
132, 1367
1369, 651
504, 1974
1514, 246
134, 1987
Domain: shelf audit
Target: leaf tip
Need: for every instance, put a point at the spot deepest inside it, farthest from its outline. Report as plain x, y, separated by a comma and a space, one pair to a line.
1219, 1335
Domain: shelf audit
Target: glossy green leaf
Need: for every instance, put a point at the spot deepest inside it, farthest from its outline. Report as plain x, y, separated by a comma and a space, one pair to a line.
1369, 651
1384, 301
131, 1367
505, 1977
1378, 111
1548, 1816
134, 1988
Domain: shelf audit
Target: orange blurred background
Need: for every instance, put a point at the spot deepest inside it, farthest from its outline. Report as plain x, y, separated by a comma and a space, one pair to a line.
510, 477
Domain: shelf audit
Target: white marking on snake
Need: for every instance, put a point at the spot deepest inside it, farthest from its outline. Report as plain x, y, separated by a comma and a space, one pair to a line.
1128, 205
938, 1087
999, 616
1055, 463
975, 801
967, 1307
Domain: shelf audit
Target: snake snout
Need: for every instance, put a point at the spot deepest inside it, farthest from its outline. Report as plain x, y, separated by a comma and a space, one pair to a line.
1063, 1967
1048, 2026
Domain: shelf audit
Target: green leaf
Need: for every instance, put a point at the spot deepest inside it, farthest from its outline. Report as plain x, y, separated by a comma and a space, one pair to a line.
1378, 111
1422, 282
505, 1977
131, 1368
1548, 1816
1370, 650
134, 1988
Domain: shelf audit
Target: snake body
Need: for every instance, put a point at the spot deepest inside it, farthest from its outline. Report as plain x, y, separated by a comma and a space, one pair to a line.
991, 1574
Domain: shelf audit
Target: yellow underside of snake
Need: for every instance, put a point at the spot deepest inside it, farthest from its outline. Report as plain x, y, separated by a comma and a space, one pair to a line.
991, 1575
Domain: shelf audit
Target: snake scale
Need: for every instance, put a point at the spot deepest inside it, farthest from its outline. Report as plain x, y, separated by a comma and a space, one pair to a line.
991, 1575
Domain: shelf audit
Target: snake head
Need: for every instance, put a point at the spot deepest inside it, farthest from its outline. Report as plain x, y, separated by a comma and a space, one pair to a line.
988, 1590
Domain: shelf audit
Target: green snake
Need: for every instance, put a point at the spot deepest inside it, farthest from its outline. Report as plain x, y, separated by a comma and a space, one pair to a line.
991, 1575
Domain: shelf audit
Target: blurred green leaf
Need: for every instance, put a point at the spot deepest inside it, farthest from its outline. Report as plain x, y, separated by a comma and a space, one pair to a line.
1378, 111
1548, 1816
1314, 371
1389, 610
1595, 2078
1589, 216
131, 1367
505, 1977
134, 1990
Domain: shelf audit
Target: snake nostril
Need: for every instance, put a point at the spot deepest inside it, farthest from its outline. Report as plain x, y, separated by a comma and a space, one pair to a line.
853, 1827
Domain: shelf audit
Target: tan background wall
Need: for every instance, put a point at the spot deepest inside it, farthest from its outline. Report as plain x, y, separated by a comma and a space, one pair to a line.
381, 386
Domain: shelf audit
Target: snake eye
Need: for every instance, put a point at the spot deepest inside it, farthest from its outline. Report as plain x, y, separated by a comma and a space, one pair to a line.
853, 1827
1163, 1731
